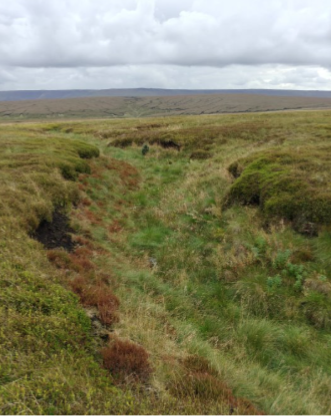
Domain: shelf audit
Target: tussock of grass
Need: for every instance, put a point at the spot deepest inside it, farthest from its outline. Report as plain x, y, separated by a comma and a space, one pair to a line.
293, 184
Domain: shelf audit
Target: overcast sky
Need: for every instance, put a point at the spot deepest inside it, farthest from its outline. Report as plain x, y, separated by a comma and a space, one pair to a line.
66, 44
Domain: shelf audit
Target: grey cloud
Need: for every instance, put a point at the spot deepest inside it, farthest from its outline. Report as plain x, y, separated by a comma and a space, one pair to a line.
70, 33
165, 43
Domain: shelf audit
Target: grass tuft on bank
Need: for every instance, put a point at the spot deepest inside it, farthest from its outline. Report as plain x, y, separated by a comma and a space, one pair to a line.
293, 184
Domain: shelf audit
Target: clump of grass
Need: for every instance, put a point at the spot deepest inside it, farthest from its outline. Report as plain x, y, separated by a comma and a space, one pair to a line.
70, 171
126, 360
32, 169
286, 184
316, 306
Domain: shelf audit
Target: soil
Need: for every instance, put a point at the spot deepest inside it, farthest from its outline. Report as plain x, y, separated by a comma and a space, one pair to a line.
55, 234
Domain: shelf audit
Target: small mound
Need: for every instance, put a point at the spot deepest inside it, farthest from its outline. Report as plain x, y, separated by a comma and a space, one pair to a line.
293, 184
55, 234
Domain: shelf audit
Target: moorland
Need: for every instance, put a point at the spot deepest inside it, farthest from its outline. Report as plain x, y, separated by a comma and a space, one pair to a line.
21, 95
194, 279
154, 106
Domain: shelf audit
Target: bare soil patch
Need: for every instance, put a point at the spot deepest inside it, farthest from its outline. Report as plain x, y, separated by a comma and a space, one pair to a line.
55, 234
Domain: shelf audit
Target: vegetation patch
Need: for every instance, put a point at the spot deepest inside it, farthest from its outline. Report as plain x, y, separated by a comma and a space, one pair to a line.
188, 138
290, 184
199, 382
98, 295
32, 169
126, 360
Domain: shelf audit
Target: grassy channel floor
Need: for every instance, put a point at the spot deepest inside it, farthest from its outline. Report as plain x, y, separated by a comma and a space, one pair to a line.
230, 302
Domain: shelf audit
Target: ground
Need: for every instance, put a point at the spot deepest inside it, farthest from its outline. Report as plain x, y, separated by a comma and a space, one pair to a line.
232, 316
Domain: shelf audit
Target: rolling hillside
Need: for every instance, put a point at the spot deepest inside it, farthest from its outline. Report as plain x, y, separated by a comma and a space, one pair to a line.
149, 92
155, 106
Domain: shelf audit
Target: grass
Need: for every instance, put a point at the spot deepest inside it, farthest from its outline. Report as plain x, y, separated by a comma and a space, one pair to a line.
292, 184
211, 306
46, 349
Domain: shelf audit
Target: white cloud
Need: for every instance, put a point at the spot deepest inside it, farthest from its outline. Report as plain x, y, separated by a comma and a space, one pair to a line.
167, 76
212, 44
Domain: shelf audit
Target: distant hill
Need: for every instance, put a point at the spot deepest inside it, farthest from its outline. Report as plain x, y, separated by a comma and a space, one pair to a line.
148, 92
112, 107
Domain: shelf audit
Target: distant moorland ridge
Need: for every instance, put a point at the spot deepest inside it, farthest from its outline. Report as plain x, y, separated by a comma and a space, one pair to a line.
113, 107
149, 92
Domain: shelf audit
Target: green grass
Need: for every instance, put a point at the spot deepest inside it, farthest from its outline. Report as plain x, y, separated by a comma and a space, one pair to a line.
234, 297
48, 358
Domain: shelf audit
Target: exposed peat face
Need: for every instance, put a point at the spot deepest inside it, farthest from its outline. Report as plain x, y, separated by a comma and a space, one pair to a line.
55, 234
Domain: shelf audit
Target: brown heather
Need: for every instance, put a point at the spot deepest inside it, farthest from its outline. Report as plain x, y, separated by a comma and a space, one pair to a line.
98, 295
125, 359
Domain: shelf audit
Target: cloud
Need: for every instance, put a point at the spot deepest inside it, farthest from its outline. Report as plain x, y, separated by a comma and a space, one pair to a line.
70, 33
167, 76
130, 38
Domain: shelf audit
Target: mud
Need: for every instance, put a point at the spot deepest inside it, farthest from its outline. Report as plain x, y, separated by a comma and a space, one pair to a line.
55, 234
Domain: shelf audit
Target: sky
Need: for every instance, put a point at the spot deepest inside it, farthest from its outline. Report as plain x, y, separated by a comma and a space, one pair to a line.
193, 44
